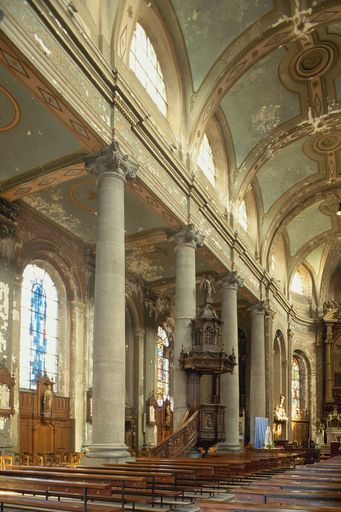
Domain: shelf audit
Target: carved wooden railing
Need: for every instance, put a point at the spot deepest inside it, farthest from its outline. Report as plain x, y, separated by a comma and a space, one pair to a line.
181, 441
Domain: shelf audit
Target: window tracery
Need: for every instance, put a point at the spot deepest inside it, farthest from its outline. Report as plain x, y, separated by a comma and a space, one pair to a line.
144, 63
38, 326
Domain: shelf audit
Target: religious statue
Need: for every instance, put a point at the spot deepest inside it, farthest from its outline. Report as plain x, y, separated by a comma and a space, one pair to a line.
168, 416
268, 442
279, 413
330, 305
207, 286
4, 396
47, 401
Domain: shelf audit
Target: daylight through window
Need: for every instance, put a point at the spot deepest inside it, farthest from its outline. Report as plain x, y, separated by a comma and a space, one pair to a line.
144, 63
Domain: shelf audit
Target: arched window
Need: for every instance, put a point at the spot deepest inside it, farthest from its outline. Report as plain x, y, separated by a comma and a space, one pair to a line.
206, 161
144, 63
38, 326
242, 216
295, 389
297, 283
162, 365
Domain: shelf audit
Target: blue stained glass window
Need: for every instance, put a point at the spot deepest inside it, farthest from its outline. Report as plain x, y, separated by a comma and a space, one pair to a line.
162, 366
39, 327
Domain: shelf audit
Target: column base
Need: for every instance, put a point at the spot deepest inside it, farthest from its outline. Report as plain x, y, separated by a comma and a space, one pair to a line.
226, 447
99, 454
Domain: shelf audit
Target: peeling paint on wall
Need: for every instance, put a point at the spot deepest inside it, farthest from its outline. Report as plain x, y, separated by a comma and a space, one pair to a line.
141, 265
4, 310
53, 210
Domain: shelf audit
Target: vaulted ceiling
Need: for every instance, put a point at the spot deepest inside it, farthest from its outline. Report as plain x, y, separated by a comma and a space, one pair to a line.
273, 68
268, 70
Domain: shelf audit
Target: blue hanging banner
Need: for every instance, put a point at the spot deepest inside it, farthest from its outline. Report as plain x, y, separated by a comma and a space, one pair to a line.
260, 429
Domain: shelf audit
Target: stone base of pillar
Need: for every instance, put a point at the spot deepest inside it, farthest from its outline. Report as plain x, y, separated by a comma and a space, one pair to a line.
225, 447
106, 454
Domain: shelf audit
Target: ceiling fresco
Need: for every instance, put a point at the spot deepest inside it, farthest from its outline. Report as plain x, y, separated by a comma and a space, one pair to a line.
268, 70
297, 167
257, 104
73, 206
27, 125
215, 25
308, 224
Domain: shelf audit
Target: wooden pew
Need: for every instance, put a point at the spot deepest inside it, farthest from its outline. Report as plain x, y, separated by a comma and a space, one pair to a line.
23, 502
270, 507
126, 488
59, 488
310, 497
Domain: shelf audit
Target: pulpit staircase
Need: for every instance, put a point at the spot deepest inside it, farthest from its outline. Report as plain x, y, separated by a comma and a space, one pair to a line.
181, 441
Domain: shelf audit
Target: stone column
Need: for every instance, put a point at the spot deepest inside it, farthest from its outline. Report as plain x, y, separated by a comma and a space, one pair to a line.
186, 241
78, 391
290, 336
229, 382
329, 370
112, 168
257, 374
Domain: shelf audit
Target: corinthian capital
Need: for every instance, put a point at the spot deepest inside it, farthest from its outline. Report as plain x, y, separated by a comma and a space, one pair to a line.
260, 308
232, 280
189, 235
111, 160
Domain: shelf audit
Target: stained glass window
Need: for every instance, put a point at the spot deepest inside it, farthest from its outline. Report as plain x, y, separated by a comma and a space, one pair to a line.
162, 354
242, 216
295, 389
38, 327
144, 63
206, 161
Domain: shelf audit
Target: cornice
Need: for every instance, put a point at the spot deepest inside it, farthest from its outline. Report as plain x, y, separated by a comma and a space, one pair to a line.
87, 56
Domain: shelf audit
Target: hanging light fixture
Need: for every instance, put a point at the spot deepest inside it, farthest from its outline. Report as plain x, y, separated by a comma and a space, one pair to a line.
338, 213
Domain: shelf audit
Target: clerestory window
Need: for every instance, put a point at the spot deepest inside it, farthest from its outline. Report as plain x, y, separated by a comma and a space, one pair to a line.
242, 216
144, 63
206, 161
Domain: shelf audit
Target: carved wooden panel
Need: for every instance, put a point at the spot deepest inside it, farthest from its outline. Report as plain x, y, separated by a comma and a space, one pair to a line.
300, 431
39, 433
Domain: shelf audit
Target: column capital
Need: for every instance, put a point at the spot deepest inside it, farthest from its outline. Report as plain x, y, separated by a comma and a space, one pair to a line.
111, 161
190, 236
232, 280
260, 308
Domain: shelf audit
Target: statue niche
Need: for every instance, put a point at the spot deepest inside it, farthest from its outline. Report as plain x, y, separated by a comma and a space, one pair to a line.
46, 396
7, 383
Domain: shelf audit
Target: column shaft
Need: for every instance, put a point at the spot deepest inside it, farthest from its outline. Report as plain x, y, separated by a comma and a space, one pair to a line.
185, 310
229, 383
108, 402
257, 376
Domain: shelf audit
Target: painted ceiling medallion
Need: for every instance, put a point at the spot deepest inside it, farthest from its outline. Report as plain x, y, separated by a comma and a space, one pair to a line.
313, 62
9, 110
328, 142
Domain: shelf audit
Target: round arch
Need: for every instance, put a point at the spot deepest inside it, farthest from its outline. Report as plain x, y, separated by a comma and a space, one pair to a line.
156, 30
